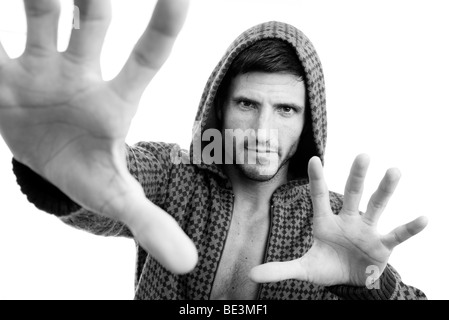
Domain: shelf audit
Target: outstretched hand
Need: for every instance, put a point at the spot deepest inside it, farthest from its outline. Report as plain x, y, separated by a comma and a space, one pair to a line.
61, 119
345, 245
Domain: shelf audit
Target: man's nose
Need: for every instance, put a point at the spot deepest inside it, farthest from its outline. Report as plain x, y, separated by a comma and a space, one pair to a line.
265, 119
264, 125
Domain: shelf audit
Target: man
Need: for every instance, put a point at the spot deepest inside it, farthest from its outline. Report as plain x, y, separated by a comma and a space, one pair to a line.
231, 224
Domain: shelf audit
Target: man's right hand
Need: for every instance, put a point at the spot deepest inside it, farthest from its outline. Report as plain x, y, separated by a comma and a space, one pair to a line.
61, 119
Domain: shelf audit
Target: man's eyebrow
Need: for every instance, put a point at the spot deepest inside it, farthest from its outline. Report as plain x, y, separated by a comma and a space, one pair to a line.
292, 105
244, 98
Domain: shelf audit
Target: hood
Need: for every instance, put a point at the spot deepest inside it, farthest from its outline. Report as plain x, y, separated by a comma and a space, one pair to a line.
206, 116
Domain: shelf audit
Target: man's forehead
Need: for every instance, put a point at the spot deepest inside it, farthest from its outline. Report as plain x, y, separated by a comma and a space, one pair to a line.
268, 78
261, 84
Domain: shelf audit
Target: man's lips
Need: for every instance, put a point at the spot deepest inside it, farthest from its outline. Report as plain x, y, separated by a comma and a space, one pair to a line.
261, 150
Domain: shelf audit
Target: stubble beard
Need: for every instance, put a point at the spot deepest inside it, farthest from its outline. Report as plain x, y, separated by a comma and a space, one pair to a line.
252, 172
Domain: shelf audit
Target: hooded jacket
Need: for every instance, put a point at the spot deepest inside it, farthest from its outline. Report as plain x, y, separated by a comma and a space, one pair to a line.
199, 196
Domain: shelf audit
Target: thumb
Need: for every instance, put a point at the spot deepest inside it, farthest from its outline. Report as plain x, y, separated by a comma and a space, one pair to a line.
156, 231
278, 271
161, 236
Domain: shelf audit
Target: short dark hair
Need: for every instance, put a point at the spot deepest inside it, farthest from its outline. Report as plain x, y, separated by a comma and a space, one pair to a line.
269, 55
273, 56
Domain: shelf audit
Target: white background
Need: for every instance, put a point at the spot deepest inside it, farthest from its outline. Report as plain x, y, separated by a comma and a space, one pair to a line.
386, 71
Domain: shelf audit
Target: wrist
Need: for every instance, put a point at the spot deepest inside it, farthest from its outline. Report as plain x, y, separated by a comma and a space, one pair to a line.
40, 192
381, 289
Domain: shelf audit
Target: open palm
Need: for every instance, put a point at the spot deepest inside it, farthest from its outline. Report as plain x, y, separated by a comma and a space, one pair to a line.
61, 119
346, 246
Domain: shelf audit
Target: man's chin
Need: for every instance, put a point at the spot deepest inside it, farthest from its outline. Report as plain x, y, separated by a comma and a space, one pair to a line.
258, 172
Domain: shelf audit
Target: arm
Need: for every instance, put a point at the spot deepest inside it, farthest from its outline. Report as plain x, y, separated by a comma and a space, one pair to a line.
63, 121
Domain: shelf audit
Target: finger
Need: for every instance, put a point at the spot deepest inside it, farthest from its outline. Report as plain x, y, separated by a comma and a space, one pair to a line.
42, 25
152, 49
91, 23
404, 232
318, 188
3, 55
354, 185
277, 271
156, 231
382, 195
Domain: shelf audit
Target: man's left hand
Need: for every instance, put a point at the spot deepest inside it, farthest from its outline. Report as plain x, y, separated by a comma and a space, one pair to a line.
345, 245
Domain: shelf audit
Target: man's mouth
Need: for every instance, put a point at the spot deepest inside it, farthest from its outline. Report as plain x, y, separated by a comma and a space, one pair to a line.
261, 150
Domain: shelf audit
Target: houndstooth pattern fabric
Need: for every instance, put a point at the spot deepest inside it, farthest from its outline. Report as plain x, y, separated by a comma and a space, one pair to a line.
199, 196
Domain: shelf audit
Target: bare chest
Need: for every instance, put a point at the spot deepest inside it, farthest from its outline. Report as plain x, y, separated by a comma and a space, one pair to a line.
244, 249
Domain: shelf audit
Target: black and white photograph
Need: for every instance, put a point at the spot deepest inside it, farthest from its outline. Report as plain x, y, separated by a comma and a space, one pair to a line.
224, 150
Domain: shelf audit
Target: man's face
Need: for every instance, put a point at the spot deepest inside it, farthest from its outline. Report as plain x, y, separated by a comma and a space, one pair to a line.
262, 104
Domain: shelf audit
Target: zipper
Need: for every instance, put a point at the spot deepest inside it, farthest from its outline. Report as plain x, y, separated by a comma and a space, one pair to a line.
222, 249
266, 247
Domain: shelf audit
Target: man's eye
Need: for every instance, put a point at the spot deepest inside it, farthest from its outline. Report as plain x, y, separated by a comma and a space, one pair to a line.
246, 104
287, 110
